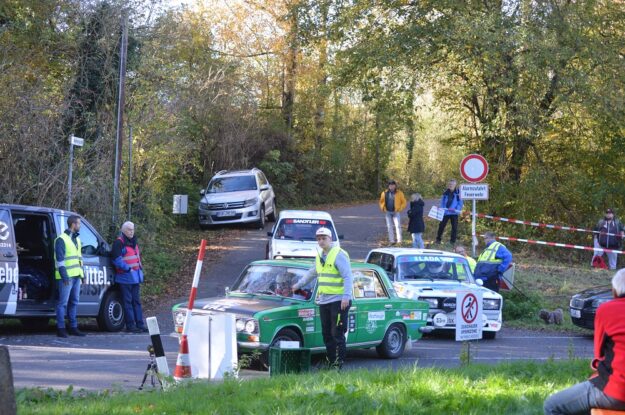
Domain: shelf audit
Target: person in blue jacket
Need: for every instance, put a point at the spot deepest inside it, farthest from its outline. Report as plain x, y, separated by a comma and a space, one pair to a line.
451, 202
493, 262
129, 275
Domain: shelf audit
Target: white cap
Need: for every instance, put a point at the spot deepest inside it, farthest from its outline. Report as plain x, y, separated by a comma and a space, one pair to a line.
323, 232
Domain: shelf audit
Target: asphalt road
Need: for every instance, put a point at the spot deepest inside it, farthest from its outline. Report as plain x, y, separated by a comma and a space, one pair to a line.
118, 361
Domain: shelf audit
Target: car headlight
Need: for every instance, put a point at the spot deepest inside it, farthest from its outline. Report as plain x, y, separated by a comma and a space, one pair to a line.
203, 206
240, 325
491, 304
250, 202
250, 326
596, 303
433, 302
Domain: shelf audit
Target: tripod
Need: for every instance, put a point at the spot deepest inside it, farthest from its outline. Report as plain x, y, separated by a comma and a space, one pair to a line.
152, 371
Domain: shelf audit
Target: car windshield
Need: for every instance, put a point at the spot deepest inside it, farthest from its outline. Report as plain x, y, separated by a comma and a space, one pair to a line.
433, 267
273, 280
231, 184
301, 229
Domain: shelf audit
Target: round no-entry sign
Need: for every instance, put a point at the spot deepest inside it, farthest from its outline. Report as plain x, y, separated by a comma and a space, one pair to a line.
474, 168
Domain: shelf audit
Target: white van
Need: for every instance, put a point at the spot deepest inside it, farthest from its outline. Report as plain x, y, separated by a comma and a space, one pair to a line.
293, 235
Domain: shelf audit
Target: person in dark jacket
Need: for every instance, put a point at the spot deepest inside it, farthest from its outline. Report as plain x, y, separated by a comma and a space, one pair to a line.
610, 235
451, 202
416, 226
606, 387
129, 276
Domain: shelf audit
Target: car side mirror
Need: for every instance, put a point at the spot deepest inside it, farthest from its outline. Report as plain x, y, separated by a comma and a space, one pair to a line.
103, 248
341, 237
264, 187
269, 233
202, 192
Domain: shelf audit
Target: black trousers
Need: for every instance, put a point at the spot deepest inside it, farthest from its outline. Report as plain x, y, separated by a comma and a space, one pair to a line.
454, 228
491, 283
333, 329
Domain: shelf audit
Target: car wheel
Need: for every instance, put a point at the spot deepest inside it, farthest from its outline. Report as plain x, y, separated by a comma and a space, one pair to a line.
111, 316
261, 220
35, 323
284, 334
489, 335
393, 344
272, 215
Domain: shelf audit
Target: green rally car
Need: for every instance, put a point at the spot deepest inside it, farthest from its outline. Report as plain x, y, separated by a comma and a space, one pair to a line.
267, 310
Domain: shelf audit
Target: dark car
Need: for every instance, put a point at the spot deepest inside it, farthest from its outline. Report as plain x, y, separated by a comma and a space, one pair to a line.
583, 305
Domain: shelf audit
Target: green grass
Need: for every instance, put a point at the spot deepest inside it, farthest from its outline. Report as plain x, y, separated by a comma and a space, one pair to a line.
511, 388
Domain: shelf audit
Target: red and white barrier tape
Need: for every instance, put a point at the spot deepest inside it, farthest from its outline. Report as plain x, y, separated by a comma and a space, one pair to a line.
541, 225
560, 245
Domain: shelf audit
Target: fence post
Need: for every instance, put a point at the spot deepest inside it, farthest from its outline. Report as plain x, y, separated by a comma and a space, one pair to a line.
7, 394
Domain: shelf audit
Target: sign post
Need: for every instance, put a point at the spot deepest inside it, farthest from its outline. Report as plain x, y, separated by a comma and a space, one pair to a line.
469, 321
73, 141
474, 169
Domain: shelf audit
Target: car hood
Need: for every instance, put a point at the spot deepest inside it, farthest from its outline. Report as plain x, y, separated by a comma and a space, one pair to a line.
442, 288
229, 196
247, 306
595, 292
293, 248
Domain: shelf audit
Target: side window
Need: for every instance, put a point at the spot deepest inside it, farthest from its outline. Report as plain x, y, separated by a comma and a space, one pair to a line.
375, 258
387, 262
368, 285
88, 239
261, 179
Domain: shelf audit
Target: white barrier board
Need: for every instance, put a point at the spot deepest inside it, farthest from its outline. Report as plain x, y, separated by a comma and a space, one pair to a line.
212, 345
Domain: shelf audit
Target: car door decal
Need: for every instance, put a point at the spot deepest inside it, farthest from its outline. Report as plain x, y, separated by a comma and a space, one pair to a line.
9, 270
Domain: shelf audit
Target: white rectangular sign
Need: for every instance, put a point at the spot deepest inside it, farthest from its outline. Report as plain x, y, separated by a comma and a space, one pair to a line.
180, 204
77, 141
469, 315
477, 191
436, 213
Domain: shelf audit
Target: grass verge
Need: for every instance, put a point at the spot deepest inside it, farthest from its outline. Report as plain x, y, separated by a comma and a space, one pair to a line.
511, 388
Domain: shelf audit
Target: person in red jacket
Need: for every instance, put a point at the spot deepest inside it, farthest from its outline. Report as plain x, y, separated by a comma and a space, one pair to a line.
606, 387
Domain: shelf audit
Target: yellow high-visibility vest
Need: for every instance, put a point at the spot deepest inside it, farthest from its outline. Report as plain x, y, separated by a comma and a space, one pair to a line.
329, 279
73, 258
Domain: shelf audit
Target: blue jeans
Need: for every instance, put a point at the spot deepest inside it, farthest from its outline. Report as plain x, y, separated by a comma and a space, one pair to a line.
67, 303
133, 313
417, 240
578, 399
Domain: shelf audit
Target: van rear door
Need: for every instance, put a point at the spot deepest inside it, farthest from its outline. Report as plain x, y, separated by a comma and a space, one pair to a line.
9, 271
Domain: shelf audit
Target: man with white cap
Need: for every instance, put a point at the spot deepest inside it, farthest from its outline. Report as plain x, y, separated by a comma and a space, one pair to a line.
334, 294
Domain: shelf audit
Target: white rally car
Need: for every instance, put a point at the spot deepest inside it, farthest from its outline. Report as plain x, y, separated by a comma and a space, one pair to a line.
293, 235
436, 276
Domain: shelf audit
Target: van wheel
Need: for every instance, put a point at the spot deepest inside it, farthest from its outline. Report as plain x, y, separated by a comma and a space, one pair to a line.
393, 344
272, 215
35, 323
284, 334
111, 316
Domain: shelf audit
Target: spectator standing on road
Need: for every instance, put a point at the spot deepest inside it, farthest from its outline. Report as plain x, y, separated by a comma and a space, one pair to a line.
451, 202
69, 275
606, 387
493, 262
129, 276
334, 294
416, 226
610, 236
392, 202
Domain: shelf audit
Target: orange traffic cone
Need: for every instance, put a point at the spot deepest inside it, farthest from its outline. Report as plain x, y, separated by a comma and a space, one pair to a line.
183, 367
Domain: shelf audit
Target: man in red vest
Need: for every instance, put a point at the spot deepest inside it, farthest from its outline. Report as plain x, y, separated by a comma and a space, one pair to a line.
129, 276
606, 387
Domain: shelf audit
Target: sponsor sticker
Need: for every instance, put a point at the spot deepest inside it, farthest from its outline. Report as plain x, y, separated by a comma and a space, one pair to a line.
306, 313
371, 327
307, 221
310, 329
376, 315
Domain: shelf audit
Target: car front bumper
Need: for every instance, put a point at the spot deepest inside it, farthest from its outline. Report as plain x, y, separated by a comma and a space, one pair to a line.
491, 322
584, 318
241, 215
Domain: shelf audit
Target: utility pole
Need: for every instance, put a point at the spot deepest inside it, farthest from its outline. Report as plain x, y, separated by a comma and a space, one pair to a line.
129, 171
120, 114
